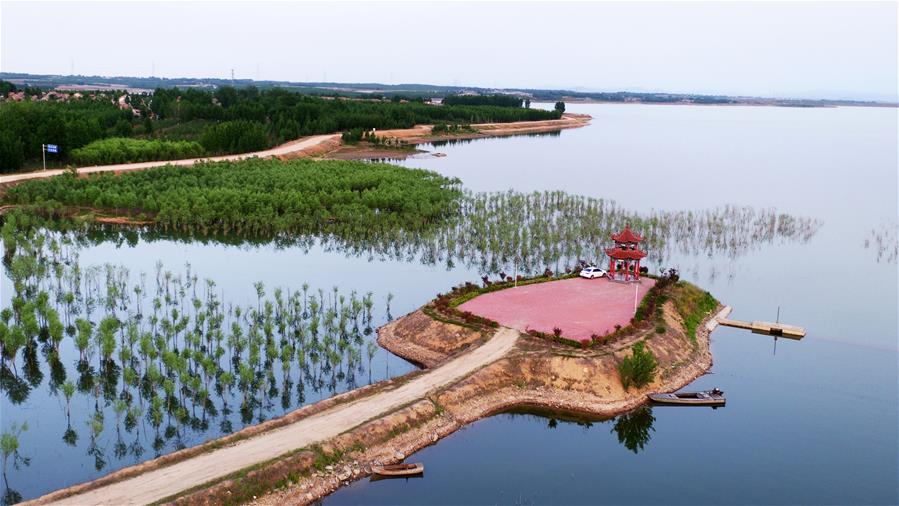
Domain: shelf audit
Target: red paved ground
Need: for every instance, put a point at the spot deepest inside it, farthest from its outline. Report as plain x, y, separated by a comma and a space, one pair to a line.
580, 307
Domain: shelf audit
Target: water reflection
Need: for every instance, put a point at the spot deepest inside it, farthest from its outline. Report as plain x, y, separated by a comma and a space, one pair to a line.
884, 241
527, 233
633, 429
459, 142
161, 355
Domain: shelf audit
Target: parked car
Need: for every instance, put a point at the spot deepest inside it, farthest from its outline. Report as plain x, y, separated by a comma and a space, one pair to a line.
592, 272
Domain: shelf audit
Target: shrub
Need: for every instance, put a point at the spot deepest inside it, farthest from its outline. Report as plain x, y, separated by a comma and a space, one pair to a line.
638, 369
660, 329
557, 331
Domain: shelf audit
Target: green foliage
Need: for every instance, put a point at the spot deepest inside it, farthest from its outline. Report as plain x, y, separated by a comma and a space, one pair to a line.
443, 128
236, 137
7, 87
260, 196
559, 107
224, 121
69, 124
123, 150
290, 115
497, 100
12, 152
693, 304
9, 445
639, 369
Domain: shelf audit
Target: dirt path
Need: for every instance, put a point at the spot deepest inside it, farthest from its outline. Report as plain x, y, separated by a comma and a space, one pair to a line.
285, 149
170, 480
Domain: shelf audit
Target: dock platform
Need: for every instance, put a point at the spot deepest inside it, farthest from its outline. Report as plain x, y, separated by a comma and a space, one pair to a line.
771, 329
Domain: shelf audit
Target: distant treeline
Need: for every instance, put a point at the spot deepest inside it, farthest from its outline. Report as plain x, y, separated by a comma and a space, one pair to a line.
227, 120
494, 100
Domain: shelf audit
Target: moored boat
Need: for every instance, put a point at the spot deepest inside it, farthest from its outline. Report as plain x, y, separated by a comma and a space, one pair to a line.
398, 469
714, 397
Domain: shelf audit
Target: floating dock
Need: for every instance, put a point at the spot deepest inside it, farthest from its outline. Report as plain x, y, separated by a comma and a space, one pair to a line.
771, 329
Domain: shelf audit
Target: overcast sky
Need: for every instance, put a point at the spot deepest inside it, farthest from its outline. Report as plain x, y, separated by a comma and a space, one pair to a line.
803, 49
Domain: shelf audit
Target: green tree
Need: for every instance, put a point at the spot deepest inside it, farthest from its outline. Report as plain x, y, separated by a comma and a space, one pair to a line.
12, 152
9, 446
639, 369
560, 107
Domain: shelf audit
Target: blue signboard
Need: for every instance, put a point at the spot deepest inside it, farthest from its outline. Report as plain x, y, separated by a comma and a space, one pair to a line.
52, 148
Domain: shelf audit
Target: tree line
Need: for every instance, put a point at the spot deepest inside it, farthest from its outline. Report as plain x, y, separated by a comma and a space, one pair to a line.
229, 120
498, 100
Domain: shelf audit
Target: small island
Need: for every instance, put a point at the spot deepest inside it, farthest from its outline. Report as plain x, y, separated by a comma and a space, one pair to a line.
557, 341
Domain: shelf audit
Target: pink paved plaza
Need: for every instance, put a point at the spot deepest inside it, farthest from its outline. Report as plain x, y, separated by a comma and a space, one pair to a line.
580, 307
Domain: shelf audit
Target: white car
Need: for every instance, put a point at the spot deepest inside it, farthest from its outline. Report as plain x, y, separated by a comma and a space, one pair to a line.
592, 272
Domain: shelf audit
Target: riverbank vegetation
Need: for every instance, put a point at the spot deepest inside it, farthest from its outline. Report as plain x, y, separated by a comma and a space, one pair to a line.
258, 197
403, 214
227, 120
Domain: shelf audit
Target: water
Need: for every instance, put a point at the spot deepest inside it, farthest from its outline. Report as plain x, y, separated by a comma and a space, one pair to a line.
815, 423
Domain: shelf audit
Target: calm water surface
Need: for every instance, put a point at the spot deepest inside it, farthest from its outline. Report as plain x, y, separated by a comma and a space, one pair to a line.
814, 423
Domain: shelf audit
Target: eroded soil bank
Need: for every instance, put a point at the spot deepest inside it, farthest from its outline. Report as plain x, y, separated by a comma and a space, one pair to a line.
534, 374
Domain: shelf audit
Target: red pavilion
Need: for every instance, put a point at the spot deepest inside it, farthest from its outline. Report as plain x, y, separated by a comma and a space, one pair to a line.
624, 258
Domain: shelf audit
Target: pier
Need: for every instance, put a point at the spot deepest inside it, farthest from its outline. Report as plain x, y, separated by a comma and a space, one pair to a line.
771, 329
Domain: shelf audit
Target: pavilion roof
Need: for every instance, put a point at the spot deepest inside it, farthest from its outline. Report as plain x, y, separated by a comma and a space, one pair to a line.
625, 254
627, 236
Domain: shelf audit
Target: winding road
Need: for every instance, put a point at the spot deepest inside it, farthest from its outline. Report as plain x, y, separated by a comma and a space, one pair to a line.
167, 481
282, 150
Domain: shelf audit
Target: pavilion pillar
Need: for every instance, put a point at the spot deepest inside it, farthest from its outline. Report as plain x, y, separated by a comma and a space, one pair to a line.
637, 272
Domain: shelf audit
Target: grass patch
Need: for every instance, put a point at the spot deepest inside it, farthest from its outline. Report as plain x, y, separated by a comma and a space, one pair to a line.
693, 304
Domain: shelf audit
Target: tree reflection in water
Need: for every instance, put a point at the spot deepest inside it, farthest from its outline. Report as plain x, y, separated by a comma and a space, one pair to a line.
634, 429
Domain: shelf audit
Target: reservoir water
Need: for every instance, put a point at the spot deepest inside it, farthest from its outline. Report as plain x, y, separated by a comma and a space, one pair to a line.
814, 423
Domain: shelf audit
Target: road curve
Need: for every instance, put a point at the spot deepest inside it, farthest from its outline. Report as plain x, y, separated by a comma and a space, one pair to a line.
284, 149
170, 480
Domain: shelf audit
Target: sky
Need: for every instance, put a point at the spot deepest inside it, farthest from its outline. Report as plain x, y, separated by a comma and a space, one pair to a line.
779, 49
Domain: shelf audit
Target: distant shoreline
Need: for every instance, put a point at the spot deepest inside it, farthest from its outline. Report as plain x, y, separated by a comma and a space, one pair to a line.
760, 103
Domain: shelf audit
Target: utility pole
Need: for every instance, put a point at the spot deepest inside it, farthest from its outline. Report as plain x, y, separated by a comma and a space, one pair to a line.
44, 155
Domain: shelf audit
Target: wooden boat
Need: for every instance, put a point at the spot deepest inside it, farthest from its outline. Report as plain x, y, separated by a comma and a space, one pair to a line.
713, 397
398, 469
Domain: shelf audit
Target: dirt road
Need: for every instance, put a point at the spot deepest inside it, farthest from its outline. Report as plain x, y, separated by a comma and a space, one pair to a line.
285, 149
167, 481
